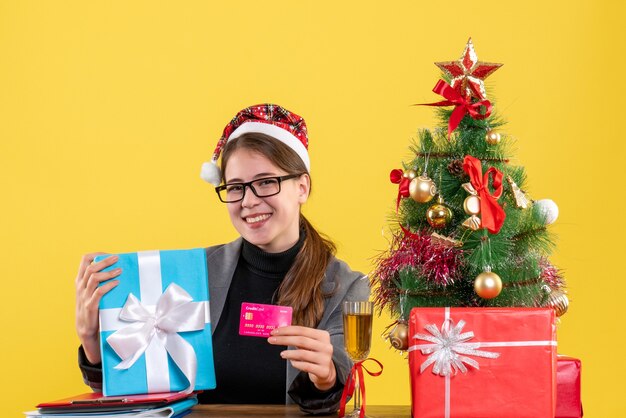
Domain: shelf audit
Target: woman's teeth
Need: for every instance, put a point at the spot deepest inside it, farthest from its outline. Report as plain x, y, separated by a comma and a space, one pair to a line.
257, 218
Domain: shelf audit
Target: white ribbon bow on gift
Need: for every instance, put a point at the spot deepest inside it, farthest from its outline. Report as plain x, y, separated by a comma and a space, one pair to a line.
449, 349
175, 312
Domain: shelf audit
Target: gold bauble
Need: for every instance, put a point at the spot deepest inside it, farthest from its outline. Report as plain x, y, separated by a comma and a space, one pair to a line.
422, 189
409, 174
471, 205
559, 301
439, 215
487, 285
492, 137
399, 336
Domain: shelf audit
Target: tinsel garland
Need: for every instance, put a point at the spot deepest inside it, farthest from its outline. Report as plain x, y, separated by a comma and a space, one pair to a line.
437, 264
551, 275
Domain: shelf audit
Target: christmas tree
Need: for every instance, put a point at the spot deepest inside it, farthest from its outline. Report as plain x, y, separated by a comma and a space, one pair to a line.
464, 231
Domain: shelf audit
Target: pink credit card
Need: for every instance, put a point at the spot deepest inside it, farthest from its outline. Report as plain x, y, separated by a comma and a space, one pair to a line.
258, 320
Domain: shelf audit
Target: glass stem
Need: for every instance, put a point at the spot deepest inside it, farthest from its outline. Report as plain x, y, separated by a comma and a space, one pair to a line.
357, 394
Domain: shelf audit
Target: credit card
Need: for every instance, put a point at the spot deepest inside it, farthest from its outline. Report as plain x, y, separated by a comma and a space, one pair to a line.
258, 320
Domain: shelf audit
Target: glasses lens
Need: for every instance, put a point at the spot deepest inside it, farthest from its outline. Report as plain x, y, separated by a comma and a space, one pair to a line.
232, 192
266, 187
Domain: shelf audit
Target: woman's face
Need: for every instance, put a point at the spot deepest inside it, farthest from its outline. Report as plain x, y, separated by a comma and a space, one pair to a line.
271, 223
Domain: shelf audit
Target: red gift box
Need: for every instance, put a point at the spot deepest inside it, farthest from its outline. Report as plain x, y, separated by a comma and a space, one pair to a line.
483, 362
568, 403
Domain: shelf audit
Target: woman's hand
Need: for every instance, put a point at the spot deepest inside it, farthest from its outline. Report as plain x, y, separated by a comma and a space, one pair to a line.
313, 353
88, 296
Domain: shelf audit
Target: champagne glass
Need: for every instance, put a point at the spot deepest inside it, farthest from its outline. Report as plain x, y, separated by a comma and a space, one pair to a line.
357, 338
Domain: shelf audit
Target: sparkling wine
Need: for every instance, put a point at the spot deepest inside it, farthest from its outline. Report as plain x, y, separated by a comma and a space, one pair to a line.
357, 335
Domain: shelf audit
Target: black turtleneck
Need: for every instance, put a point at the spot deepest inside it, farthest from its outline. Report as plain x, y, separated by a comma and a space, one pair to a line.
249, 370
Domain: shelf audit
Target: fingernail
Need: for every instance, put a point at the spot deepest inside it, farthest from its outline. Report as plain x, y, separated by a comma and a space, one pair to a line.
114, 258
282, 354
273, 332
117, 271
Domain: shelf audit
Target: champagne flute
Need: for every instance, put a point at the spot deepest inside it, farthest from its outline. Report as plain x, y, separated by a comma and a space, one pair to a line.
357, 338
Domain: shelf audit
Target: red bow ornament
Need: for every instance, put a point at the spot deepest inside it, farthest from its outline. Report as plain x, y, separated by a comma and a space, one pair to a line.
463, 105
491, 213
348, 389
397, 177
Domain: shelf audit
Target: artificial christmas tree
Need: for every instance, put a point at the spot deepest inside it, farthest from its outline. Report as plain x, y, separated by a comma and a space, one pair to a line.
470, 248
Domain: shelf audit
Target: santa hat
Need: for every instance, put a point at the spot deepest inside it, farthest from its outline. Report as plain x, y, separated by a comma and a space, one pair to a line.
269, 119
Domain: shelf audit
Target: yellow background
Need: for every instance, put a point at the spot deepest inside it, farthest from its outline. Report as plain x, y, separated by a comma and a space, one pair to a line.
108, 108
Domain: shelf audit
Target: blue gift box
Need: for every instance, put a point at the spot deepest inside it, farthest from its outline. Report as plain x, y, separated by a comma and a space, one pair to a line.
155, 325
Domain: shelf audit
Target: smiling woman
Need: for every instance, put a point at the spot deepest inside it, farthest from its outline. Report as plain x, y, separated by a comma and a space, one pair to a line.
279, 259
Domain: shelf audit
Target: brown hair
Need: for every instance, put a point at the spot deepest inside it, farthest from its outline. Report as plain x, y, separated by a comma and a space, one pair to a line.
301, 287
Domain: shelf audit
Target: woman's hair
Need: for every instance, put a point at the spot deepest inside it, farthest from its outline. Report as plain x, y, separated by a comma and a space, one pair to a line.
301, 287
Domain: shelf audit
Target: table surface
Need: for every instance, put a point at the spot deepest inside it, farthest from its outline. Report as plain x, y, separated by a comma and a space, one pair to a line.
287, 411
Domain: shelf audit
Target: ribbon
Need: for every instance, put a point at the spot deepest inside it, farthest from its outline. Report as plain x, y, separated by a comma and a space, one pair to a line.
151, 327
462, 105
491, 213
348, 389
449, 349
448, 346
397, 177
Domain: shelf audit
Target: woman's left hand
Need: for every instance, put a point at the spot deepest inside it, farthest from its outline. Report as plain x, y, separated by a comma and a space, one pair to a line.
313, 353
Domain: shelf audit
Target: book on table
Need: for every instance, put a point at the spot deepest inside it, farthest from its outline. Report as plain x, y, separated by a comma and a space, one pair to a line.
166, 405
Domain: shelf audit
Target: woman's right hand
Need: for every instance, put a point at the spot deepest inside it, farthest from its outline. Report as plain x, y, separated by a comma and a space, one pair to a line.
88, 296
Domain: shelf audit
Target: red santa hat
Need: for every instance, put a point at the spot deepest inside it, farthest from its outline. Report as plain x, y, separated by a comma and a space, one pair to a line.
269, 119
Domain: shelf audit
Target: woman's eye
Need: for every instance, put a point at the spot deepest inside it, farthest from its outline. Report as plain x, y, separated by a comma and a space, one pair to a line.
267, 182
235, 188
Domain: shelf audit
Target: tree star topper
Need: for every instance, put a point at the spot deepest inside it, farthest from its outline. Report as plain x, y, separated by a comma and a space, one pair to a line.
468, 73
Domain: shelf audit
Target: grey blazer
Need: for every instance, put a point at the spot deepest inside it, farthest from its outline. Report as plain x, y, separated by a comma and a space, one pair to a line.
340, 283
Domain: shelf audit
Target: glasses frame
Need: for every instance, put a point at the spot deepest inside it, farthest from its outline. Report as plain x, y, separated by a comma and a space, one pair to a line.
248, 185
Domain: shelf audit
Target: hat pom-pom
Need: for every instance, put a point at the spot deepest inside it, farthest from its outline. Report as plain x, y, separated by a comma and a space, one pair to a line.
211, 173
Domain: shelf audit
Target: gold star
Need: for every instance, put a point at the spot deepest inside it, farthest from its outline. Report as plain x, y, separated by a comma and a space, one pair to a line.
468, 73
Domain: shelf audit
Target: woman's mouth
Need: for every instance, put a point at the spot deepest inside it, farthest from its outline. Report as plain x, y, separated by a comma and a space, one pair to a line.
257, 218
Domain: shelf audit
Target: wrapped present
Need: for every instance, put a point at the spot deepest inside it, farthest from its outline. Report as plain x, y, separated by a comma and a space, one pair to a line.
155, 330
482, 362
568, 401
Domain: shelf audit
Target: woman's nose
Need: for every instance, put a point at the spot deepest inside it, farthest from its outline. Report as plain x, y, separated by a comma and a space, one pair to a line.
250, 199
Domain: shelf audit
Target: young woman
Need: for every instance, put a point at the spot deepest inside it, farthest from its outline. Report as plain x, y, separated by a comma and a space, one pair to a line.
279, 259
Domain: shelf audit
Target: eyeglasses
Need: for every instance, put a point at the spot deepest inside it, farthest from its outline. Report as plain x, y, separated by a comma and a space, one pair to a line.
265, 187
